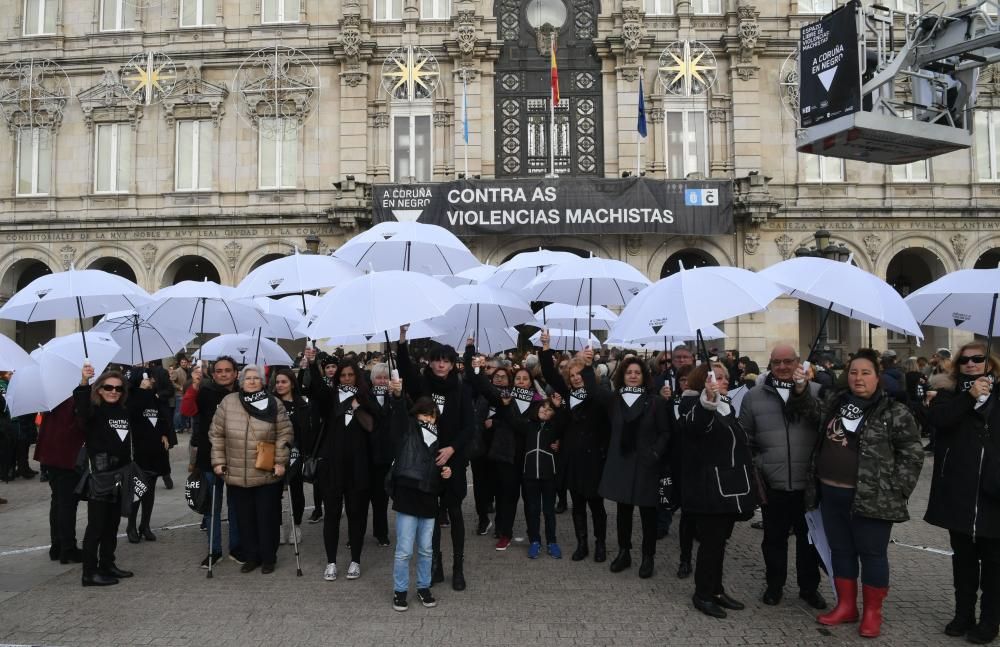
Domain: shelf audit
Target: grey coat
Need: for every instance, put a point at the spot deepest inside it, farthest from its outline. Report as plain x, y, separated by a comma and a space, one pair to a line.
781, 438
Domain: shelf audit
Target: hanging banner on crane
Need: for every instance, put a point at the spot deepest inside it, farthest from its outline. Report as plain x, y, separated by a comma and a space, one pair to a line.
829, 67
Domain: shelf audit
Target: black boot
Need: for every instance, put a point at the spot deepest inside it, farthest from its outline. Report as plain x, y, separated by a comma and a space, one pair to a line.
437, 569
600, 551
147, 534
646, 567
96, 579
457, 574
622, 561
581, 551
112, 570
132, 533
580, 527
71, 556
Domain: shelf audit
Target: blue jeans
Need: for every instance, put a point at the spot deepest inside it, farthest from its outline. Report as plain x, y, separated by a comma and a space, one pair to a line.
216, 532
854, 538
408, 529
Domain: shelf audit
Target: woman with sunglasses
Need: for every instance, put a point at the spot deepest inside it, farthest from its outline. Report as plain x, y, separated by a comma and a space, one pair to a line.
107, 425
964, 497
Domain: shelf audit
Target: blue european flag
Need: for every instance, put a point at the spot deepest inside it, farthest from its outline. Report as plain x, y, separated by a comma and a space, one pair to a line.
641, 124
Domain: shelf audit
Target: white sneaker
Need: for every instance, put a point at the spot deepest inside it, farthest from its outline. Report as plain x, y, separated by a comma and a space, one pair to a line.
298, 534
330, 574
354, 571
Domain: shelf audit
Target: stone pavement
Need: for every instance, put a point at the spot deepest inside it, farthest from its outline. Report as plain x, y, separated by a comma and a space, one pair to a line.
510, 599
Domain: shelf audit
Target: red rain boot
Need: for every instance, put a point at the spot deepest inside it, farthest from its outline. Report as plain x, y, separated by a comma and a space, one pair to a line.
847, 603
871, 620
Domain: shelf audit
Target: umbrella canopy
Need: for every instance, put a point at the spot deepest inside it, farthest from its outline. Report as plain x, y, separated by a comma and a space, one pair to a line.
282, 318
418, 330
490, 340
140, 340
412, 246
12, 356
587, 281
44, 384
303, 303
381, 301
203, 306
522, 268
483, 307
845, 289
562, 339
964, 300
295, 274
692, 300
562, 315
245, 349
73, 294
668, 341
470, 276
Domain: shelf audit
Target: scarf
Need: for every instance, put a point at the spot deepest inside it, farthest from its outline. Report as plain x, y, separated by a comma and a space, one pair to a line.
440, 387
380, 392
576, 397
260, 405
630, 394
152, 415
346, 392
853, 409
522, 398
430, 432
783, 387
631, 417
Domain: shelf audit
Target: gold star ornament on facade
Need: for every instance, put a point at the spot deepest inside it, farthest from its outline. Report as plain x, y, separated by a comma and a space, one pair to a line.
149, 77
410, 73
687, 68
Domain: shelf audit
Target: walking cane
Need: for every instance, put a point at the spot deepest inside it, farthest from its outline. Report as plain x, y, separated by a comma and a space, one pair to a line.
211, 527
295, 537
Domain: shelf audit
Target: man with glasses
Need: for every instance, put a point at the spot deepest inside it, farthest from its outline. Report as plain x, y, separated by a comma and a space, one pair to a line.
772, 414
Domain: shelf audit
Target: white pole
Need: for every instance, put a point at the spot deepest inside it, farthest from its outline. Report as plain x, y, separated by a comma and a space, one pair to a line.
638, 153
552, 106
465, 118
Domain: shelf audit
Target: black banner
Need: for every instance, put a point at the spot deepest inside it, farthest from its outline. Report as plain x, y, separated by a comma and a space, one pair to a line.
562, 206
829, 69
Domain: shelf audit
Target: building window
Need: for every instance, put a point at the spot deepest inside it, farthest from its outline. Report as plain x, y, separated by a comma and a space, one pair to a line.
659, 7
987, 141
817, 168
280, 11
193, 171
908, 6
388, 9
815, 6
706, 7
279, 153
112, 158
435, 9
197, 13
117, 15
686, 142
34, 161
411, 148
39, 17
540, 134
912, 172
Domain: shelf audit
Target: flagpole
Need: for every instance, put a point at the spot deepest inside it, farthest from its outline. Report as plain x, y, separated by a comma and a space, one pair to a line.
552, 107
465, 118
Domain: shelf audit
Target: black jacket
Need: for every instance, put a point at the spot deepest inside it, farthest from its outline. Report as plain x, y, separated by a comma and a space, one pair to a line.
152, 422
106, 449
717, 470
382, 444
966, 450
454, 401
414, 460
209, 396
506, 440
584, 444
300, 414
345, 441
539, 462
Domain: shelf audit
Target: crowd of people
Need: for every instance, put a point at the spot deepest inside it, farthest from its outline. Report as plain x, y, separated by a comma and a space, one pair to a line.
706, 442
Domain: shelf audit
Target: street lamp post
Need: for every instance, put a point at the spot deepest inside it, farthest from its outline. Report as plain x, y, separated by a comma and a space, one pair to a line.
546, 17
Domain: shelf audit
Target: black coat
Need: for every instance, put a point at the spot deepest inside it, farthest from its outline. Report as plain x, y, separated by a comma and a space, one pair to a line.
382, 446
209, 396
344, 444
414, 465
506, 439
539, 462
152, 422
584, 444
716, 467
300, 414
966, 448
633, 476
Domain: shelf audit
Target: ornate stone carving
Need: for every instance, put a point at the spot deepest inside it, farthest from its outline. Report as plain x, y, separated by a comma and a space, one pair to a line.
350, 36
748, 29
466, 32
233, 250
108, 101
353, 77
746, 72
442, 119
656, 115
193, 98
751, 243
959, 243
632, 32
717, 115
633, 245
381, 120
873, 243
148, 255
784, 244
68, 254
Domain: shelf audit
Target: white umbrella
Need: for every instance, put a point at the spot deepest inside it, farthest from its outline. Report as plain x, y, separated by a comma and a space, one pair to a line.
470, 276
140, 341
302, 303
966, 300
73, 294
55, 372
522, 268
246, 349
418, 330
12, 356
562, 315
412, 246
296, 274
669, 341
483, 307
693, 300
845, 289
380, 301
490, 340
203, 307
562, 339
282, 318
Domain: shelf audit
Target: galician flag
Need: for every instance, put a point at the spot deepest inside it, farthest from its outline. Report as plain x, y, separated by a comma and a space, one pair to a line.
555, 76
641, 125
465, 110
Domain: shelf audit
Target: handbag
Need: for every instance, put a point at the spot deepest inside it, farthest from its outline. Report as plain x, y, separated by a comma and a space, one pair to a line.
265, 455
196, 493
310, 465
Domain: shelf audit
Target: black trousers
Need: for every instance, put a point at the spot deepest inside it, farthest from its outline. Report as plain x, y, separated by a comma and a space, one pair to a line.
508, 490
786, 511
143, 506
298, 496
976, 567
539, 498
318, 496
483, 478
62, 510
457, 528
356, 505
686, 534
100, 539
647, 516
712, 532
258, 514
597, 511
379, 502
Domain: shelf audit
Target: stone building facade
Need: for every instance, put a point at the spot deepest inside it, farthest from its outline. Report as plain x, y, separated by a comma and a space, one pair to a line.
147, 137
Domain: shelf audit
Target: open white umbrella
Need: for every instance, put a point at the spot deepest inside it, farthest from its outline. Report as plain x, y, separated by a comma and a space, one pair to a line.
964, 300
411, 246
203, 307
470, 276
283, 320
12, 356
670, 341
484, 307
517, 272
490, 340
561, 315
55, 372
140, 340
73, 294
845, 289
692, 301
418, 330
303, 304
296, 274
562, 339
245, 349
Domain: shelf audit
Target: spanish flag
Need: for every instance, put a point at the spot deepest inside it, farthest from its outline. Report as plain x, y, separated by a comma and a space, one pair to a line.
555, 76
